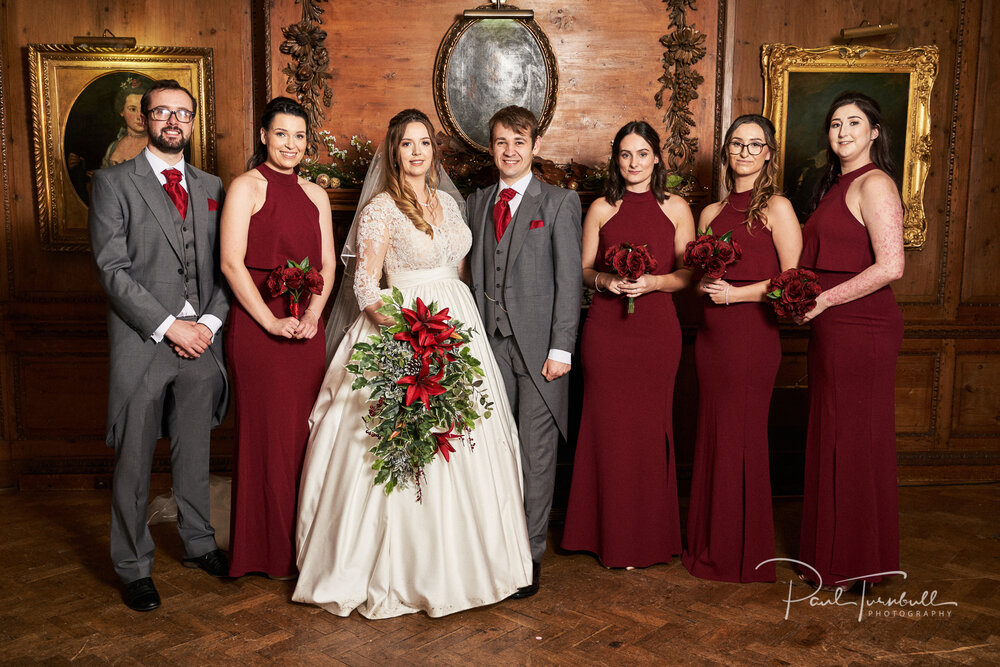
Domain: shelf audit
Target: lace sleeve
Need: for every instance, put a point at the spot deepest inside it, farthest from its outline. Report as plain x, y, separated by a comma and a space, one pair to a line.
373, 240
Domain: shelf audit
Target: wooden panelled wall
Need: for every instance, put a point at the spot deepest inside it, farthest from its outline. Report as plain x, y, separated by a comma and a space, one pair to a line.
53, 346
948, 375
52, 341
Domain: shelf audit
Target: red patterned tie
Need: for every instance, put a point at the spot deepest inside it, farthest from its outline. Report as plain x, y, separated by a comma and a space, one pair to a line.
178, 195
501, 211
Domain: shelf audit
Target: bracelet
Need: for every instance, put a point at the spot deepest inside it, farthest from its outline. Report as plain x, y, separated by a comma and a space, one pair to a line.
597, 283
727, 295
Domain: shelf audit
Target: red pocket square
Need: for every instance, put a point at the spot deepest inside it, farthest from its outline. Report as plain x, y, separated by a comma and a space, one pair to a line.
212, 204
536, 224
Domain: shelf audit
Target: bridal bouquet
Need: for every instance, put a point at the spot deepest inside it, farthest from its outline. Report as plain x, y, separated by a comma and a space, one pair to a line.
296, 279
424, 388
793, 292
630, 261
711, 254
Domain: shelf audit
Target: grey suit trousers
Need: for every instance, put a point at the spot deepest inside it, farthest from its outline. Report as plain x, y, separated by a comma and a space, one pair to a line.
539, 436
186, 391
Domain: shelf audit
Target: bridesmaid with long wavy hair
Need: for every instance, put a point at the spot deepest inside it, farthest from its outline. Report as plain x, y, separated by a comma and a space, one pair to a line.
730, 528
854, 243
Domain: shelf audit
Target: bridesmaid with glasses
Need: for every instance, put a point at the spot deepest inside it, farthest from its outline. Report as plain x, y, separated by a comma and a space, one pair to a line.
730, 530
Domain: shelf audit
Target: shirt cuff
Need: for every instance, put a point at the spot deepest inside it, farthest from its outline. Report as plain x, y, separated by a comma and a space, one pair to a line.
161, 330
212, 322
562, 356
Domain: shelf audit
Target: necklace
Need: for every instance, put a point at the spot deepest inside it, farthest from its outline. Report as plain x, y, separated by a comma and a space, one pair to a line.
428, 204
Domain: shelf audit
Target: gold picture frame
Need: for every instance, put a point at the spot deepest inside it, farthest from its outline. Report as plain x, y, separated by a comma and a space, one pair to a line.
75, 92
799, 85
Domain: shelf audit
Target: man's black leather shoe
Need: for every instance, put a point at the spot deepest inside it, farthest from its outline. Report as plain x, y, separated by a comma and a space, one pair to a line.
214, 562
141, 595
528, 591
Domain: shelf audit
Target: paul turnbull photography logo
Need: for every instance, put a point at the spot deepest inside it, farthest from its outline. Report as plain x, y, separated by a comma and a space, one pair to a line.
869, 605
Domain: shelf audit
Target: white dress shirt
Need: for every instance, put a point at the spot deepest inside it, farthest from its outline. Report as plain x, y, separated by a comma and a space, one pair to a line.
519, 187
211, 321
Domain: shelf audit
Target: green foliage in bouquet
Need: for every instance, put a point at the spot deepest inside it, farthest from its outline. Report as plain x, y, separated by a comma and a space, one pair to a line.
425, 389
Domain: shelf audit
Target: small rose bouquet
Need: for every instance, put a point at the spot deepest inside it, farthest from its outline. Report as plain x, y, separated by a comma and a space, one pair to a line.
630, 261
712, 254
425, 389
793, 292
297, 279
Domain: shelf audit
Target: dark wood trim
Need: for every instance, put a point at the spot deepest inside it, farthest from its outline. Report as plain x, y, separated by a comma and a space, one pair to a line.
260, 49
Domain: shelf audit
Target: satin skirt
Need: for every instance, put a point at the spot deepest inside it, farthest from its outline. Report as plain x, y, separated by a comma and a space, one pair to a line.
464, 545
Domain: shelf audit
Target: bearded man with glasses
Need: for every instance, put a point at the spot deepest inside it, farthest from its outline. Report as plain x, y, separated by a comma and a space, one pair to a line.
154, 223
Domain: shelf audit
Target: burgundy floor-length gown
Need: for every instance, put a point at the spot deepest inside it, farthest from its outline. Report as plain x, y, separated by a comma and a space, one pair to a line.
730, 528
623, 497
850, 517
275, 382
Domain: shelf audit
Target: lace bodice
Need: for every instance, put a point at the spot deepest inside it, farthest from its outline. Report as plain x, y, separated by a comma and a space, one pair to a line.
388, 240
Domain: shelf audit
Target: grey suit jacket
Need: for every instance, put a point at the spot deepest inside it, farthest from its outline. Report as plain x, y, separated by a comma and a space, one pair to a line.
138, 256
544, 277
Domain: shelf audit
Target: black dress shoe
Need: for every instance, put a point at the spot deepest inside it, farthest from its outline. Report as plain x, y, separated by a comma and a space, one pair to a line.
141, 595
214, 562
528, 591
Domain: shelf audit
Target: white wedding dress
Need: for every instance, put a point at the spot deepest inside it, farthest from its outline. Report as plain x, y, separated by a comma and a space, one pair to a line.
466, 544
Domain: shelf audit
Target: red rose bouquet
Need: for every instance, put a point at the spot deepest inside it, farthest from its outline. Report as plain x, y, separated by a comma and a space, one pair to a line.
793, 292
711, 254
425, 389
297, 279
630, 261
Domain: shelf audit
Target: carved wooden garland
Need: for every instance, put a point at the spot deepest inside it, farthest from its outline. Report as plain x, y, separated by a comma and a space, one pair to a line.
684, 46
307, 75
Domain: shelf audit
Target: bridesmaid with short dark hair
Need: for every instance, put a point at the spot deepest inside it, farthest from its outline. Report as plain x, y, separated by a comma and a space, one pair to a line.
730, 530
854, 242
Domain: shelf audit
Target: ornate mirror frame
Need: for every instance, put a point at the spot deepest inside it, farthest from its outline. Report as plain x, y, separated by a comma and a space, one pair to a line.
800, 84
472, 72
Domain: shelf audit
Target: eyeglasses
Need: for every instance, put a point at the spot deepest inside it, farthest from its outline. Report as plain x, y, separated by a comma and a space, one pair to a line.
753, 148
164, 114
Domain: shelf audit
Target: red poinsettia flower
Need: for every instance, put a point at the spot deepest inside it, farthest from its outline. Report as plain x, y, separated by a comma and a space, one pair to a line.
444, 447
428, 331
423, 342
423, 385
422, 319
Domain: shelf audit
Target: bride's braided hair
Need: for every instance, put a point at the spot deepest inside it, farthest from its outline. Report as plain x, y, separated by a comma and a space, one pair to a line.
395, 184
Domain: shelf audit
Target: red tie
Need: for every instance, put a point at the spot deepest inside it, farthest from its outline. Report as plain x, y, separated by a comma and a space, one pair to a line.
501, 211
178, 195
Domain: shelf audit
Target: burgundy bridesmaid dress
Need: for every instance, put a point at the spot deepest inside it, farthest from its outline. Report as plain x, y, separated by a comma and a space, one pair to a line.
276, 381
623, 497
730, 529
850, 517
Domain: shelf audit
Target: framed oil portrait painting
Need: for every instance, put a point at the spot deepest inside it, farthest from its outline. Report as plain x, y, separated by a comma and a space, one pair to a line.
800, 84
485, 64
85, 116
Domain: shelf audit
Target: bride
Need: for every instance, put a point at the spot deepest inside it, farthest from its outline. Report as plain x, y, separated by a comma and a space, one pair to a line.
465, 544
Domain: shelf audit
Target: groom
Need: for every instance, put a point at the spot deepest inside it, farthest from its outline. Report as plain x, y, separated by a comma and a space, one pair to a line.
154, 224
526, 277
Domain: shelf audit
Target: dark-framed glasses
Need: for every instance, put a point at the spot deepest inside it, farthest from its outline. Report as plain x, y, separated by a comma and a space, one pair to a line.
164, 114
753, 148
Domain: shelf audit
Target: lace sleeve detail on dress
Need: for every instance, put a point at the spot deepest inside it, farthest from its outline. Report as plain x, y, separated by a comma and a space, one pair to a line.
373, 240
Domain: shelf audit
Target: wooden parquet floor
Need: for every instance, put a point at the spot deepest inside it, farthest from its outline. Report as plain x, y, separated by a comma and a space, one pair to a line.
60, 603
